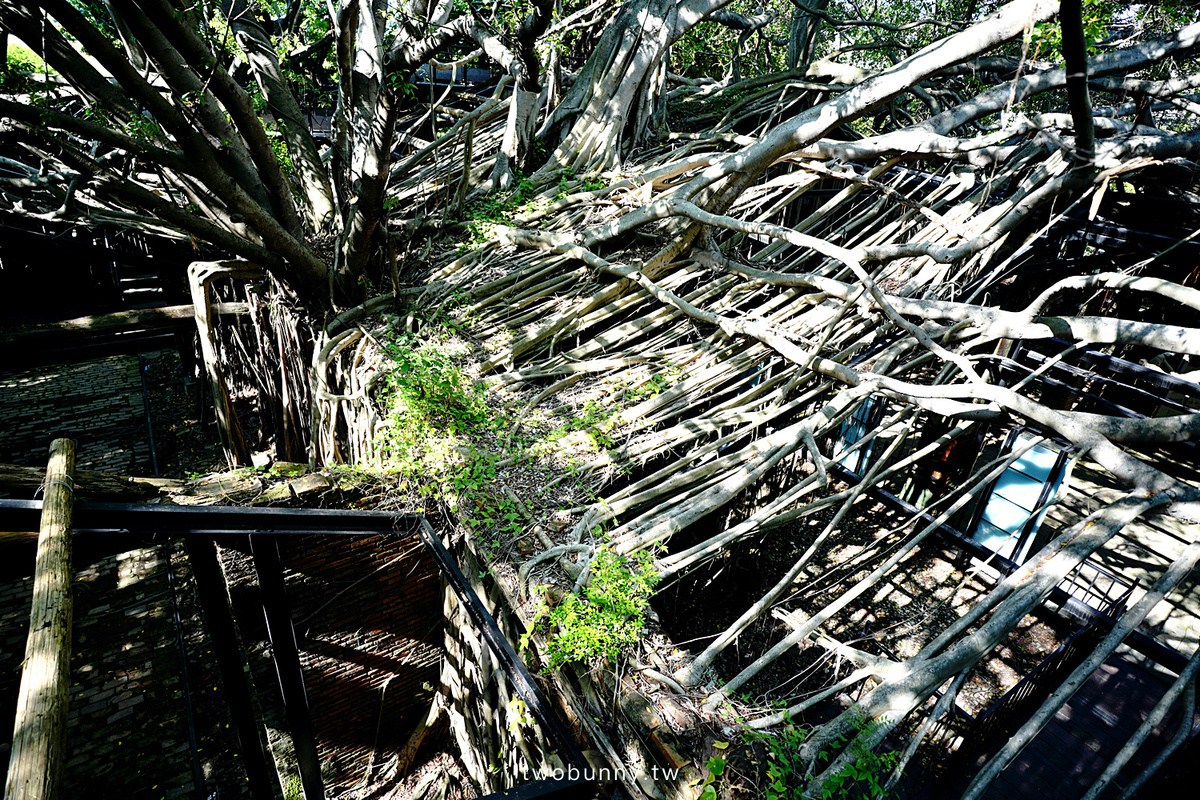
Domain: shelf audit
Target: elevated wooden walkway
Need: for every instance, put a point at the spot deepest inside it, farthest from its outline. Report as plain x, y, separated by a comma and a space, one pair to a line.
1074, 748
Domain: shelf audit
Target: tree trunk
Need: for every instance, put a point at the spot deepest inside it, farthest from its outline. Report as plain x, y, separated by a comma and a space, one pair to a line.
802, 38
1075, 60
526, 70
38, 755
518, 132
596, 121
314, 189
200, 277
367, 112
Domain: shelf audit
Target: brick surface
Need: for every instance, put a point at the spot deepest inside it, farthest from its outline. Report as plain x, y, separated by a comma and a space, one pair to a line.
98, 403
127, 728
113, 736
367, 611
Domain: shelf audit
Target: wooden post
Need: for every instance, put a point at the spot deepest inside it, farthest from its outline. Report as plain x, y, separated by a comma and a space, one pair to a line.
35, 766
201, 274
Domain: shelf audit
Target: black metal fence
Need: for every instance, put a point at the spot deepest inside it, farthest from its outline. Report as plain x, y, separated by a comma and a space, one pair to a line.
262, 526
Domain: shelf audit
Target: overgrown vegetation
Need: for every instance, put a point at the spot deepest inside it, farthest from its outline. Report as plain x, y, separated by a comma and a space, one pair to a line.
445, 439
480, 215
716, 768
431, 405
864, 775
436, 418
594, 420
22, 63
22, 59
608, 618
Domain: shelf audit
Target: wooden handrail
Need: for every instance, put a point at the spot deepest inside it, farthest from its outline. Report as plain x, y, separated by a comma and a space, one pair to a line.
35, 766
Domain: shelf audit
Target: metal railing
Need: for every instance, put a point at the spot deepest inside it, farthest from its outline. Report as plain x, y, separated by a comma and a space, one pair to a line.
262, 526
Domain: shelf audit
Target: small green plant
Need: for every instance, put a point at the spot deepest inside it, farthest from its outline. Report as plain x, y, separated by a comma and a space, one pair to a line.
483, 214
292, 789
143, 128
716, 768
785, 770
275, 134
568, 180
565, 178
863, 777
655, 386
594, 420
866, 774
609, 617
426, 395
402, 87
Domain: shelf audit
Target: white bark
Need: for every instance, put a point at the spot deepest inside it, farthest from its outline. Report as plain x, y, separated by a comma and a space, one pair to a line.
1185, 684
1129, 620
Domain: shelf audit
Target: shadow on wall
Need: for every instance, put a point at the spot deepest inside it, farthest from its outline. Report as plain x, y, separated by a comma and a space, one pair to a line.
367, 611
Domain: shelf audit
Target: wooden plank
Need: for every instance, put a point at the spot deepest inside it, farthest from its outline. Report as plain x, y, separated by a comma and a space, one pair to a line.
88, 483
139, 319
35, 766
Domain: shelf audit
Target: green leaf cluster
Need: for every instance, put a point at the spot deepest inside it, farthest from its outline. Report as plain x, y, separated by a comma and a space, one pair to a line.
500, 207
143, 128
864, 776
22, 62
1046, 37
594, 419
716, 768
481, 214
785, 772
569, 182
610, 615
435, 414
427, 397
22, 59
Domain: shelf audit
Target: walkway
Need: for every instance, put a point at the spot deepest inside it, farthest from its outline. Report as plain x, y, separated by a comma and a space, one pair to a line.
1073, 749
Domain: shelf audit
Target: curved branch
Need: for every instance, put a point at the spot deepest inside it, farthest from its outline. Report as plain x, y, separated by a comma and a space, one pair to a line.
93, 130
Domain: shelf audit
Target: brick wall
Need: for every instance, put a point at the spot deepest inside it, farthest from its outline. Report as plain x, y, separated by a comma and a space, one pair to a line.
367, 614
98, 403
127, 723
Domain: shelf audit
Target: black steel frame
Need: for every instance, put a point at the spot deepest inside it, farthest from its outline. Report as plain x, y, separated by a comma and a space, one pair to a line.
1145, 644
262, 527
